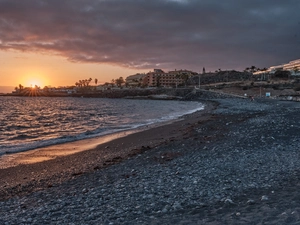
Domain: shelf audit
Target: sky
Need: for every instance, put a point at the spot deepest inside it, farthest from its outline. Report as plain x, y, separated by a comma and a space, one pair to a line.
58, 42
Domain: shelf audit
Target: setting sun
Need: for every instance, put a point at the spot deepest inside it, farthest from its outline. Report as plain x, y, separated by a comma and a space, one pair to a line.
31, 81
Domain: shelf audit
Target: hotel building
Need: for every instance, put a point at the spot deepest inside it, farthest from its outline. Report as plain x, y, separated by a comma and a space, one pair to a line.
139, 79
292, 66
173, 78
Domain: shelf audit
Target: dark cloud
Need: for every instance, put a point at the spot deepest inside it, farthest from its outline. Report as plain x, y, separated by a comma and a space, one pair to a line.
186, 34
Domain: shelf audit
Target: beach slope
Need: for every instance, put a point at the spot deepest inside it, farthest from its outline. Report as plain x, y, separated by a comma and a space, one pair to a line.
234, 164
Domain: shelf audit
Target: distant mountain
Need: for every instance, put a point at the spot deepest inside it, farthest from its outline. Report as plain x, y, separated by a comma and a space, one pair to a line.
6, 89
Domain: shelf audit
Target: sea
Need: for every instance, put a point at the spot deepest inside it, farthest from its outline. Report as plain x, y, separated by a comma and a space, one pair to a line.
28, 123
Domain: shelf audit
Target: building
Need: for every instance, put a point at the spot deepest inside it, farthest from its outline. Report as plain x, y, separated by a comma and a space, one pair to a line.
292, 66
154, 78
158, 78
137, 80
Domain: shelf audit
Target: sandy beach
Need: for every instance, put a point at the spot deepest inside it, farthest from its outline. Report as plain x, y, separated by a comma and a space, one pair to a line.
236, 162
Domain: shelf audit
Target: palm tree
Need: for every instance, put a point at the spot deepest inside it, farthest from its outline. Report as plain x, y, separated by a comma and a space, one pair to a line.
89, 81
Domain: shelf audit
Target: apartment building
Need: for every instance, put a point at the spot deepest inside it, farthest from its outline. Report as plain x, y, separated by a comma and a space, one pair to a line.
136, 80
159, 78
292, 66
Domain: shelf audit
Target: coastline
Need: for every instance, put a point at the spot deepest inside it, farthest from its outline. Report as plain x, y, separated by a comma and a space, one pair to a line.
51, 152
43, 167
236, 163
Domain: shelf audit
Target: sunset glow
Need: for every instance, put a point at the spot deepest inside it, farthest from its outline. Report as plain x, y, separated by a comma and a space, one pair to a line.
34, 82
76, 42
30, 80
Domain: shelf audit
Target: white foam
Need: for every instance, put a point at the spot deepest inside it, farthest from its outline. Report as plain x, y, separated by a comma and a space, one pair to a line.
109, 128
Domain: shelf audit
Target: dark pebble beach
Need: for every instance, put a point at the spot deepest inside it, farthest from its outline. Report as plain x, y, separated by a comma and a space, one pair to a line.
236, 162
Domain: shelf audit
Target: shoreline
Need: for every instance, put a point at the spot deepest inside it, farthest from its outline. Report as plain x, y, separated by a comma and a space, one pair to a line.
237, 163
50, 152
48, 166
55, 130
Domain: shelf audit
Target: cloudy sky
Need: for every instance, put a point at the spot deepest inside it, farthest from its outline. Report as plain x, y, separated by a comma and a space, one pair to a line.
112, 38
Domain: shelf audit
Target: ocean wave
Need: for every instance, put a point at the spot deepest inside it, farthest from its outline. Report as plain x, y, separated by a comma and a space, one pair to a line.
39, 126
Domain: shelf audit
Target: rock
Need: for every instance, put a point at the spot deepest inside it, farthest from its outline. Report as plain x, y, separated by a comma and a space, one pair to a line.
177, 206
228, 201
264, 198
164, 210
250, 202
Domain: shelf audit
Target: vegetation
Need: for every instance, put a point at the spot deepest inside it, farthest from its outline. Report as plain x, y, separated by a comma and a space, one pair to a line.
282, 74
245, 82
251, 69
296, 69
83, 83
119, 81
297, 88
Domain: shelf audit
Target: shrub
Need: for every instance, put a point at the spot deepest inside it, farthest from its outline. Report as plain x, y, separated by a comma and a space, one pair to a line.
297, 88
282, 74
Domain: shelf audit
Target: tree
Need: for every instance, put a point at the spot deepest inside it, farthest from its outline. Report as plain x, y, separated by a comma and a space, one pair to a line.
253, 69
96, 81
158, 77
89, 81
119, 81
177, 76
46, 89
184, 77
246, 69
19, 88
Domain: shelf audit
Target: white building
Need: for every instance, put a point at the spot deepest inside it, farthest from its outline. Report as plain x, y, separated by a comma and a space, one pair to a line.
292, 66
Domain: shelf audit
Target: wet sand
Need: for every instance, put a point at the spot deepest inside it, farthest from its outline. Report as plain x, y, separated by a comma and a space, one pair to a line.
54, 151
23, 173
